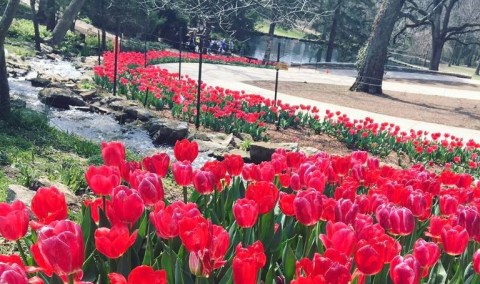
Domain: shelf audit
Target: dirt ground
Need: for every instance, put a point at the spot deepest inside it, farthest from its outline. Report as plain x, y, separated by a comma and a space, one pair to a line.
435, 109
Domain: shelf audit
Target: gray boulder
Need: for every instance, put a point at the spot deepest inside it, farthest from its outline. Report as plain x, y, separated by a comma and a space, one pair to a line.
60, 98
262, 151
166, 131
40, 82
18, 192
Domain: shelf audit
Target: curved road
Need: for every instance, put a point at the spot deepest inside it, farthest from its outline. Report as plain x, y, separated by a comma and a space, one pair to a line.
233, 77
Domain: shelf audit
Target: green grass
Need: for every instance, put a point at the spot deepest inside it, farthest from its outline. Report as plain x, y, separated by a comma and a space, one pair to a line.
460, 70
31, 148
279, 31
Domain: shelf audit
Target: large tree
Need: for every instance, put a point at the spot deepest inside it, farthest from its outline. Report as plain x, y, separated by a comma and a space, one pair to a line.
372, 68
5, 22
64, 24
448, 20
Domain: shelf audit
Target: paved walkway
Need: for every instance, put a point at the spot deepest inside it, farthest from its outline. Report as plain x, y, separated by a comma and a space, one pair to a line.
232, 77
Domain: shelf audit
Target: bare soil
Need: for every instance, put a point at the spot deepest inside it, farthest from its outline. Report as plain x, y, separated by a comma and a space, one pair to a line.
435, 109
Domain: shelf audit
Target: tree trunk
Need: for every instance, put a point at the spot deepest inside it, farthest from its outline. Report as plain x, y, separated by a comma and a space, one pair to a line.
477, 72
5, 23
66, 21
50, 14
370, 75
437, 48
35, 26
4, 88
103, 25
268, 48
333, 31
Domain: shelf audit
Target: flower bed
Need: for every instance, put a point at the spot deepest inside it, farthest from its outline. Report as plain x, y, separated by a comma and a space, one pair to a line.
164, 56
233, 111
295, 219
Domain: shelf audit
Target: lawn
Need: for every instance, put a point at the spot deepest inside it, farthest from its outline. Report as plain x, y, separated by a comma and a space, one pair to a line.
460, 69
31, 148
279, 31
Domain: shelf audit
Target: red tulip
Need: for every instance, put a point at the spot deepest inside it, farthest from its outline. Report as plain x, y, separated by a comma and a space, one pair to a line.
194, 233
286, 203
402, 221
59, 248
126, 206
114, 242
247, 262
204, 182
113, 153
448, 204
48, 205
127, 168
245, 212
185, 150
420, 204
345, 211
13, 220
234, 164
295, 183
308, 207
476, 261
333, 268
165, 220
12, 274
370, 256
436, 225
427, 253
183, 173
341, 165
294, 159
267, 172
148, 185
265, 194
469, 218
251, 172
454, 239
103, 179
203, 262
140, 275
157, 164
339, 237
405, 270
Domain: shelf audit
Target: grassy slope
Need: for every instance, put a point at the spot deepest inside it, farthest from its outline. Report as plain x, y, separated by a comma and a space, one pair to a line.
460, 70
279, 31
31, 148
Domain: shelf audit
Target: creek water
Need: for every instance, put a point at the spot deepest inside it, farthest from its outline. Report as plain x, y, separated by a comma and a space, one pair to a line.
92, 126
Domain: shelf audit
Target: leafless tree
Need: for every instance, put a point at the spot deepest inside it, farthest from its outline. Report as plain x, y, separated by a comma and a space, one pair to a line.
290, 13
447, 19
5, 22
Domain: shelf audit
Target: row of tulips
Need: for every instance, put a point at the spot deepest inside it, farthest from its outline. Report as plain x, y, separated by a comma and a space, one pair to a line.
294, 219
165, 56
234, 111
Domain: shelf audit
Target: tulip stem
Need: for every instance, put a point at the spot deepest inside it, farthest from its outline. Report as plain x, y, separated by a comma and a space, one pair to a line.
104, 199
185, 196
70, 279
22, 253
309, 230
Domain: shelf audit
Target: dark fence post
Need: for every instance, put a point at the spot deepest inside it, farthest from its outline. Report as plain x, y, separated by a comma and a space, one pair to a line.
115, 68
99, 48
200, 61
180, 41
276, 86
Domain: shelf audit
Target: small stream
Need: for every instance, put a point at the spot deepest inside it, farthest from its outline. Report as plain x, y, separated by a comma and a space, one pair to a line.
92, 126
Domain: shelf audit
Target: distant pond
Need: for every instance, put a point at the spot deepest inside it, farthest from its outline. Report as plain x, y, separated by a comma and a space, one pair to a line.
291, 50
